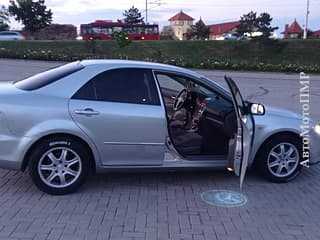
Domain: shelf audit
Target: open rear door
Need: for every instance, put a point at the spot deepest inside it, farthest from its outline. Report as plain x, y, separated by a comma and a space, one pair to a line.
239, 146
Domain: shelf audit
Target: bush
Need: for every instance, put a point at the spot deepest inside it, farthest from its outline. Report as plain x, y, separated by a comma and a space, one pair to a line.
54, 32
284, 56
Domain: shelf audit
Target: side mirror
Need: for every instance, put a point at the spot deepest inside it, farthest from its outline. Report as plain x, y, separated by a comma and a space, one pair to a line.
257, 109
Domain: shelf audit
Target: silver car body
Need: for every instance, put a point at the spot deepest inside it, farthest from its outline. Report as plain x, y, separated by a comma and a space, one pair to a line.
123, 136
10, 35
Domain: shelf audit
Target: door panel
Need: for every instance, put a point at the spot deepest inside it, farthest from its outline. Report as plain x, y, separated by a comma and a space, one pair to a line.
240, 145
119, 109
125, 134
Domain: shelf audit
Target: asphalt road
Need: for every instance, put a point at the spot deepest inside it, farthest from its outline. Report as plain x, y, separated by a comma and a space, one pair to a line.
168, 205
276, 89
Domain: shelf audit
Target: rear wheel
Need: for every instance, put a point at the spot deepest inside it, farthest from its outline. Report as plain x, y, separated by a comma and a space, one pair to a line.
59, 165
279, 158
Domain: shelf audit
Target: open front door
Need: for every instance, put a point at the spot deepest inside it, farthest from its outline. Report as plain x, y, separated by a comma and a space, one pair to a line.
239, 146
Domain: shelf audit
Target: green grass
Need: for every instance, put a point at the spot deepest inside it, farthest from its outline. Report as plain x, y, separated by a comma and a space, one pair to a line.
284, 55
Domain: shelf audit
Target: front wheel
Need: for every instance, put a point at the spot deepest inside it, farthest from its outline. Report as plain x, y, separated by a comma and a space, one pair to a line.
59, 165
280, 157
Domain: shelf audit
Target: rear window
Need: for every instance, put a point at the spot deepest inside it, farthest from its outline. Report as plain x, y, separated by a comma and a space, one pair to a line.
8, 33
45, 78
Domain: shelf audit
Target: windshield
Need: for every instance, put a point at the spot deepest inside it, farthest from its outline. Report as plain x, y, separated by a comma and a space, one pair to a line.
218, 87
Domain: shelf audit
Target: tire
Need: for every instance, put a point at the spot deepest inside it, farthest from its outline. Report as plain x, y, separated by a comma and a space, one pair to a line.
279, 158
59, 165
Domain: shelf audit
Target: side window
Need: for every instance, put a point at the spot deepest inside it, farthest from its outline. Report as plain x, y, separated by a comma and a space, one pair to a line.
125, 85
86, 92
170, 82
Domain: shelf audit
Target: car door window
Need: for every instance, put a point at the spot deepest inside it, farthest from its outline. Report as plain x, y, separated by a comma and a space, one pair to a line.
170, 82
87, 92
125, 85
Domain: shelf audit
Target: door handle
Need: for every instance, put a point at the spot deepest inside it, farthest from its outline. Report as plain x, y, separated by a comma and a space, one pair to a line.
86, 112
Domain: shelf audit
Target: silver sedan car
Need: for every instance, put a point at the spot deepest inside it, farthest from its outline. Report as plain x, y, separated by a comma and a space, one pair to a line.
10, 35
114, 115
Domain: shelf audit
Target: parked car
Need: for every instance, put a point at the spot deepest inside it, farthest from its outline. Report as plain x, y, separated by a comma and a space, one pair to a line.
9, 35
231, 36
115, 115
234, 36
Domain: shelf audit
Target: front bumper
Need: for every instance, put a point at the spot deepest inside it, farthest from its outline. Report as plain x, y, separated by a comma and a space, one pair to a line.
314, 147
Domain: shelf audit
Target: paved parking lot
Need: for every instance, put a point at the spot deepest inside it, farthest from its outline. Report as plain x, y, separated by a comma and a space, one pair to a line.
168, 205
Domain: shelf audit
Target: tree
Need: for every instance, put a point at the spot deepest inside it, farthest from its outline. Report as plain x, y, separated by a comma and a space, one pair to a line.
251, 23
167, 33
33, 14
199, 31
264, 25
4, 18
121, 39
55, 32
247, 24
133, 16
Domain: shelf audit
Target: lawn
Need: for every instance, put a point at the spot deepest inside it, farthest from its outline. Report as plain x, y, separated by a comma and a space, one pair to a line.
284, 55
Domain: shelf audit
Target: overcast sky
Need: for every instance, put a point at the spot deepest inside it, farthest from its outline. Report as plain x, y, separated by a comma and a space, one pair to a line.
211, 11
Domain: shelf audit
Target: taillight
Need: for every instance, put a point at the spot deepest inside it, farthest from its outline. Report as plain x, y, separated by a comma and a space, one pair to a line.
22, 37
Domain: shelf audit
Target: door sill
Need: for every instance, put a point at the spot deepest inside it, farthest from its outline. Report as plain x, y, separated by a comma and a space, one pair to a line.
206, 158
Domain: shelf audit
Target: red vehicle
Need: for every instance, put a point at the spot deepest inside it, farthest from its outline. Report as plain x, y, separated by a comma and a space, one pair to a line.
104, 30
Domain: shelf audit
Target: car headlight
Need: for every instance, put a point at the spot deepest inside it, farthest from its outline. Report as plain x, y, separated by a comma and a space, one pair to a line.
317, 129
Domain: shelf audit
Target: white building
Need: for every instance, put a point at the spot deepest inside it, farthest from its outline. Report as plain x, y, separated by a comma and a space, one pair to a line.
180, 23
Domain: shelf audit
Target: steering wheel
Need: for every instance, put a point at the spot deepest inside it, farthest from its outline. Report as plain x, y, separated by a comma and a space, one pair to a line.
180, 99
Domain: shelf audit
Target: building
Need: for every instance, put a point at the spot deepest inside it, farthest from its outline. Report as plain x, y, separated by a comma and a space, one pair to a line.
316, 34
218, 31
180, 24
293, 31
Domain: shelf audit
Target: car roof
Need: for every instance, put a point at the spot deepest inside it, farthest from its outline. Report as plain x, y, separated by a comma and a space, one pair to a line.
9, 32
139, 64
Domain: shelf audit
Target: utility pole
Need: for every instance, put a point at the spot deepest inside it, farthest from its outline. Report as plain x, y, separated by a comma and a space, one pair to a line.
305, 32
156, 2
146, 11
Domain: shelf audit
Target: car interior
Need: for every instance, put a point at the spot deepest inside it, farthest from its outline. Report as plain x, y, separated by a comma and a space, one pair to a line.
200, 120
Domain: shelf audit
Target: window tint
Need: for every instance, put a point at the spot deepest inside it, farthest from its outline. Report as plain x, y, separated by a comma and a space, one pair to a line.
126, 85
9, 33
87, 92
45, 78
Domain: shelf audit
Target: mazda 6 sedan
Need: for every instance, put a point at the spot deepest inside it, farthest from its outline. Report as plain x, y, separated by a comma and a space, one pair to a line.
114, 115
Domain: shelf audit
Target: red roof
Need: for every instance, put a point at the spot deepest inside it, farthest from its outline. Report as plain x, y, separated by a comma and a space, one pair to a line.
316, 34
293, 28
222, 28
181, 16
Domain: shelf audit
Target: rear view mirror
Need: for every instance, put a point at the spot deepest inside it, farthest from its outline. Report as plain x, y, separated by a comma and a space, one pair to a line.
257, 109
